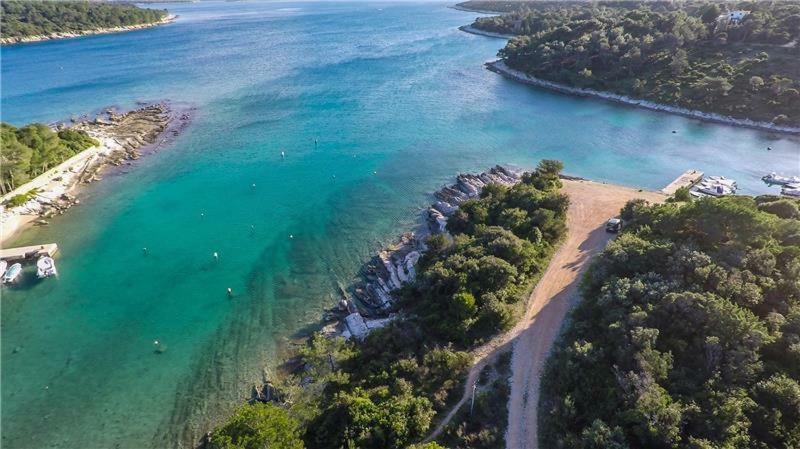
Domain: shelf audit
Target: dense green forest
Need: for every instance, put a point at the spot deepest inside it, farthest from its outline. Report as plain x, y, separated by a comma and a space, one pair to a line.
686, 54
385, 392
24, 18
33, 149
688, 335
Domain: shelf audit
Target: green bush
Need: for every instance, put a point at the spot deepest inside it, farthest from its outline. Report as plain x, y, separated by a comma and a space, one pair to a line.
258, 426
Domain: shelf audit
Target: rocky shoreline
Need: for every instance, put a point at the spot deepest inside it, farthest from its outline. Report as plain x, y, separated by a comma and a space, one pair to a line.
371, 304
501, 68
123, 138
67, 35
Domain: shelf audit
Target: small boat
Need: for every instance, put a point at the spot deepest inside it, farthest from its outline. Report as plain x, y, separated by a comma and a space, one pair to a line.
713, 189
723, 180
3, 266
12, 273
45, 267
774, 178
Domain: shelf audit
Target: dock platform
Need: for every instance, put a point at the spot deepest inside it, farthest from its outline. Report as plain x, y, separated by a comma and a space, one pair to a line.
28, 252
687, 179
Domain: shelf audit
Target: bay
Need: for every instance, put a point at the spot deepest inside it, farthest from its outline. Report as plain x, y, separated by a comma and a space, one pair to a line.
399, 102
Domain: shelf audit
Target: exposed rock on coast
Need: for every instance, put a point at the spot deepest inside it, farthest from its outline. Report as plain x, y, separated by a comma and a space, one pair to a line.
122, 136
394, 266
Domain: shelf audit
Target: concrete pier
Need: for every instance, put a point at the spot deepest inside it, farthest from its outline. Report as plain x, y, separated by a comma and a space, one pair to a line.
28, 252
687, 179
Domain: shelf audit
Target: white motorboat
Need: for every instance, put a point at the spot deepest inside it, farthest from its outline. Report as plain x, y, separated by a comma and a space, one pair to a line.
730, 183
12, 273
3, 266
774, 178
45, 267
713, 189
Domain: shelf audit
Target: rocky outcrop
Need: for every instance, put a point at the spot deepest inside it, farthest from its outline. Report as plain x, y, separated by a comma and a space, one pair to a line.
395, 266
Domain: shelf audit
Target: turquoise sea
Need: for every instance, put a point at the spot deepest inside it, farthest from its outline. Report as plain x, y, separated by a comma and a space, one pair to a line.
399, 102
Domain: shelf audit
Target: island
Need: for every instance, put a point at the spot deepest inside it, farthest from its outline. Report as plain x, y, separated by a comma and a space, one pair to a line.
30, 21
734, 64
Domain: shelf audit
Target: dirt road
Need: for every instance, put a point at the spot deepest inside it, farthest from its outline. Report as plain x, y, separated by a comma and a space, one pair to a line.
591, 204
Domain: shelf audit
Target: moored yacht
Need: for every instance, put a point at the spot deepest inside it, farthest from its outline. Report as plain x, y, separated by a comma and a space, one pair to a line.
774, 178
45, 267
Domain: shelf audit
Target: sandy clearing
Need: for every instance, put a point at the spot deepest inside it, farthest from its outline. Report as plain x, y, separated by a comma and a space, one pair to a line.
591, 204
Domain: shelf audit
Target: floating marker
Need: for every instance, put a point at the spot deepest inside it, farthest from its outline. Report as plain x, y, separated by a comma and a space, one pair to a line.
283, 155
291, 236
216, 256
254, 186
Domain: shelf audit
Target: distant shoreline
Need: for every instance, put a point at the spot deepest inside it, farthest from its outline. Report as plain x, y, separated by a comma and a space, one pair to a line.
479, 11
68, 35
501, 68
472, 30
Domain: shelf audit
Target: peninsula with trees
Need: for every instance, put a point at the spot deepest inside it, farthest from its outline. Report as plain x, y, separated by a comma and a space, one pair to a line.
30, 21
735, 60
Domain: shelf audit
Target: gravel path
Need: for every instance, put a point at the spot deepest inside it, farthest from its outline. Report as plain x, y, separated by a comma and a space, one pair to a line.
591, 204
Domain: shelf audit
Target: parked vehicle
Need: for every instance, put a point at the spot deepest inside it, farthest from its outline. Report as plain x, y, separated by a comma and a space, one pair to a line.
614, 225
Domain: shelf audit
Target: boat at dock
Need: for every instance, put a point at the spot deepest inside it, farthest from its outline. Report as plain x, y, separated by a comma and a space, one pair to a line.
45, 267
774, 178
12, 273
714, 186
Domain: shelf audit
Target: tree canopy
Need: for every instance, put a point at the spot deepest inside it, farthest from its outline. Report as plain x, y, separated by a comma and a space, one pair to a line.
688, 335
24, 18
685, 54
33, 149
258, 426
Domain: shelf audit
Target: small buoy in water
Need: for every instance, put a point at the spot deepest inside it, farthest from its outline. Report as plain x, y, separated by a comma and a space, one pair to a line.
334, 176
291, 236
144, 251
202, 215
253, 186
159, 348
216, 256
230, 292
283, 155
374, 173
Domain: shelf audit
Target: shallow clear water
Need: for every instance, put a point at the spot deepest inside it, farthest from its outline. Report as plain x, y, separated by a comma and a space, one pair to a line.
399, 101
